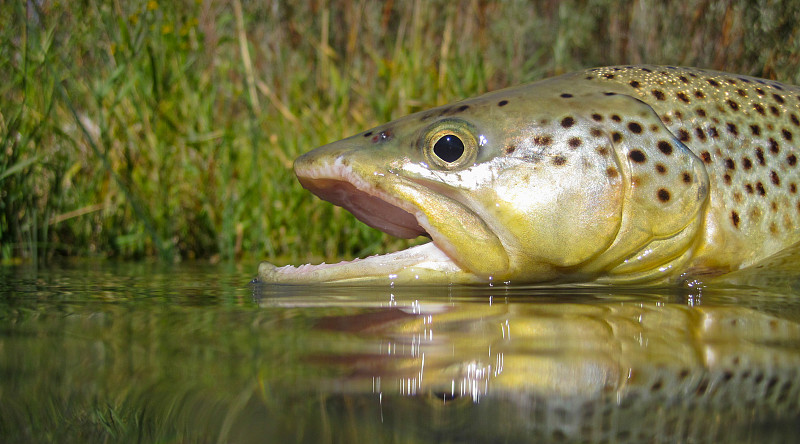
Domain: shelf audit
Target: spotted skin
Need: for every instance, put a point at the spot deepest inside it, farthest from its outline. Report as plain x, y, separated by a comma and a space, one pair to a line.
616, 174
744, 129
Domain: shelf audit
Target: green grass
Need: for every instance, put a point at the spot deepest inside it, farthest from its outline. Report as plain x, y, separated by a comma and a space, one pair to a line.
145, 128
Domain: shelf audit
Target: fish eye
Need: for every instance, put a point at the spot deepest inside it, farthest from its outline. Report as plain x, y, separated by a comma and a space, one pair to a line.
449, 148
450, 144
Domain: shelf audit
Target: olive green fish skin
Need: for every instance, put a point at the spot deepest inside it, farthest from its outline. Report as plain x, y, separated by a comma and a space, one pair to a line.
618, 174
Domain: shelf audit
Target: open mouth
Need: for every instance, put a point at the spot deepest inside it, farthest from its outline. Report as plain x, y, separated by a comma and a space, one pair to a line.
379, 209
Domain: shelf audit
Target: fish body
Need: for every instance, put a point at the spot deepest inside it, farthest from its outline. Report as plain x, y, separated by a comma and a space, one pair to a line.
619, 174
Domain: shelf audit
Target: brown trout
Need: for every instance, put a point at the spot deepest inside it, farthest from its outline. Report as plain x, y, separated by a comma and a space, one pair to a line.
627, 174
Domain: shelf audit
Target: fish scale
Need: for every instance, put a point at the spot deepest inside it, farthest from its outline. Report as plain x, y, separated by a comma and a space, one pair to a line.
626, 174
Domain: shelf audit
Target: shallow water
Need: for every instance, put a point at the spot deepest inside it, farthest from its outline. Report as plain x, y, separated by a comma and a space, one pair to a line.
105, 351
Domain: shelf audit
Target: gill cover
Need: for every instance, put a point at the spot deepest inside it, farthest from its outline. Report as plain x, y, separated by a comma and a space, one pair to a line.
667, 190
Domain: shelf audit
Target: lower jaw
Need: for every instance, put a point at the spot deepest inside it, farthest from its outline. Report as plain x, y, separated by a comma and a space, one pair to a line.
422, 264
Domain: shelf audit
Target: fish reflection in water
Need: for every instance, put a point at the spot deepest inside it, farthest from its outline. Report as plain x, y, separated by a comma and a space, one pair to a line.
618, 368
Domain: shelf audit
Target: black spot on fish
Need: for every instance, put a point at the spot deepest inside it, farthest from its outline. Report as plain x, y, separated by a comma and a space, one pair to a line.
727, 179
793, 188
566, 95
616, 137
700, 134
791, 159
616, 118
747, 163
634, 83
774, 148
502, 103
462, 108
542, 140
663, 195
687, 178
635, 127
759, 108
559, 160
713, 83
574, 142
700, 94
735, 219
658, 94
755, 129
700, 112
665, 147
775, 112
567, 122
760, 91
774, 178
794, 119
661, 169
510, 149
748, 188
612, 172
683, 79
637, 156
706, 157
760, 189
734, 106
730, 164
778, 98
597, 117
733, 129
683, 135
760, 156
683, 97
595, 132
608, 76
610, 93
787, 134
368, 133
712, 132
741, 92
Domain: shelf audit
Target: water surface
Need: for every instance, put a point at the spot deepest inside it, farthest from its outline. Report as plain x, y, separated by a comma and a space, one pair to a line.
121, 352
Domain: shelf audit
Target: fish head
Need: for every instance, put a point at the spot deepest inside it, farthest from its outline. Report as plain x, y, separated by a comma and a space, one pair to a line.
521, 185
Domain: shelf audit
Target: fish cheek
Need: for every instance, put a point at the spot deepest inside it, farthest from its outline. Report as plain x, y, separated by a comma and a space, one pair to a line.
561, 216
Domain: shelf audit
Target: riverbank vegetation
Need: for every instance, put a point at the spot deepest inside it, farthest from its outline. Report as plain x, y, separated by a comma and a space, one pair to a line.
167, 129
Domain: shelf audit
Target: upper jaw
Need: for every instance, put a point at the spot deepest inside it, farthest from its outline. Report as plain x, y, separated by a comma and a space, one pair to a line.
368, 204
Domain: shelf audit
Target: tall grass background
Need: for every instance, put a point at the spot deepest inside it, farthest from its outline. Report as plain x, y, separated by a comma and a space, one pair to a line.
168, 129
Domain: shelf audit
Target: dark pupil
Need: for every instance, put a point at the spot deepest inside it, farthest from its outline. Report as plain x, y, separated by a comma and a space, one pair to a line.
449, 148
